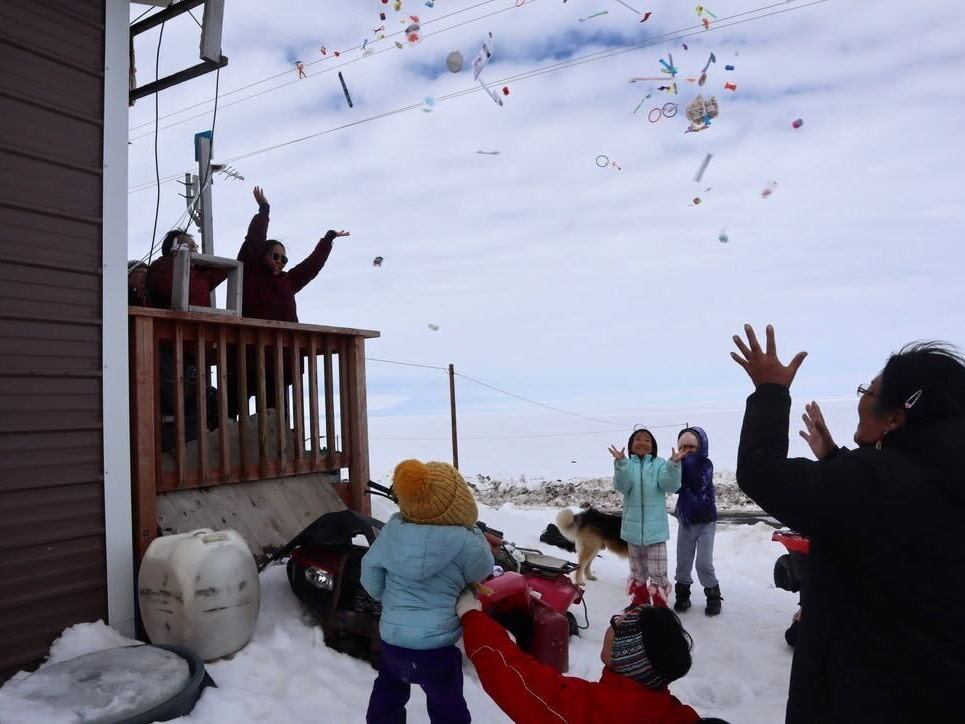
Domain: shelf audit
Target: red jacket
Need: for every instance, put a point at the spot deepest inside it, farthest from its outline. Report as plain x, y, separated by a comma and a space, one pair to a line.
266, 296
531, 692
201, 282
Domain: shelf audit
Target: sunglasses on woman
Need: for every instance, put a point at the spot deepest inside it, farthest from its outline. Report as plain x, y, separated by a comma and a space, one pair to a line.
279, 257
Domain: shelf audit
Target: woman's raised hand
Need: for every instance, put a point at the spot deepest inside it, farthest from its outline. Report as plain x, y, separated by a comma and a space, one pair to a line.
763, 367
817, 436
336, 234
260, 196
618, 454
677, 455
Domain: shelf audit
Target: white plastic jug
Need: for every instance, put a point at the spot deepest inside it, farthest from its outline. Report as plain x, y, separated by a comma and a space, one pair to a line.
200, 590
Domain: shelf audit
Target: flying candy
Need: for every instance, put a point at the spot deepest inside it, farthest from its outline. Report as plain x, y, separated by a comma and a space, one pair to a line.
722, 237
594, 15
728, 67
730, 86
377, 261
454, 61
798, 123
703, 167
771, 188
700, 111
434, 327
345, 89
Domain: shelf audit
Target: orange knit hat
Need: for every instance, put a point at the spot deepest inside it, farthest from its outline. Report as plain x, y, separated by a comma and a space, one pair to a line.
433, 493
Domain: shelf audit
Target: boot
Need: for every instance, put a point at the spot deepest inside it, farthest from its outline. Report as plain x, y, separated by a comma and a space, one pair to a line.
682, 591
640, 594
659, 596
713, 600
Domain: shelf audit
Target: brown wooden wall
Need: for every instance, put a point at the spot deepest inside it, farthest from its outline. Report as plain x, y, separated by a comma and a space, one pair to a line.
52, 568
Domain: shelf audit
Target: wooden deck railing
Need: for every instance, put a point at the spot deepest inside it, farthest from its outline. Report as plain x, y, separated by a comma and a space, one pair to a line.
251, 357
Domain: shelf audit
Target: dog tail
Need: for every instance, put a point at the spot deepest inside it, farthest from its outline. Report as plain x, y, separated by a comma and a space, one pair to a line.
565, 521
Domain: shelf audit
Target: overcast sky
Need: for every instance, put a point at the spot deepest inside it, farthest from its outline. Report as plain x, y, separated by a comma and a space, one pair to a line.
602, 291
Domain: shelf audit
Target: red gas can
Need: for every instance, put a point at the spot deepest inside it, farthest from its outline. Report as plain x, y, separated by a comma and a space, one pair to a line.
550, 642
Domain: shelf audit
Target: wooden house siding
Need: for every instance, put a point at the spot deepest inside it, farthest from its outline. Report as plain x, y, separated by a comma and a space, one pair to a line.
52, 550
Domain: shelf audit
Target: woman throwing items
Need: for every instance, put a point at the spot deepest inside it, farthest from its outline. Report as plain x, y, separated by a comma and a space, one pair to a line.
269, 291
645, 480
881, 634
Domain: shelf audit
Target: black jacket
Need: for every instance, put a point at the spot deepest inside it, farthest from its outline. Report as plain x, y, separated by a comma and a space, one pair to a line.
882, 636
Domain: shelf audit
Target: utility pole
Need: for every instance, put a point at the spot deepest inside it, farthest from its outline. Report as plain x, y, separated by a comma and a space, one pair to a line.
452, 410
202, 154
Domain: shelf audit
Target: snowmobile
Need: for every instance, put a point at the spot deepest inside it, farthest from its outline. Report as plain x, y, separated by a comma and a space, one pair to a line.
324, 571
790, 571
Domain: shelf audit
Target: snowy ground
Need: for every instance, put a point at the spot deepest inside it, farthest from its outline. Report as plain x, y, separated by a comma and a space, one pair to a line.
286, 675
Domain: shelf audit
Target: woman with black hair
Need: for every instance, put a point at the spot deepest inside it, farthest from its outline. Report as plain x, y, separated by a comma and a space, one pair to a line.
882, 630
160, 275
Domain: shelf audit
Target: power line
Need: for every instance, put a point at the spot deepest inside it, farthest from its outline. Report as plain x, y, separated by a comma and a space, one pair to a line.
157, 169
405, 364
287, 72
540, 404
537, 72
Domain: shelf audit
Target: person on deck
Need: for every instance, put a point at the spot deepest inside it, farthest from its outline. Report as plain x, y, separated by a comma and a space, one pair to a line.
880, 637
269, 291
160, 275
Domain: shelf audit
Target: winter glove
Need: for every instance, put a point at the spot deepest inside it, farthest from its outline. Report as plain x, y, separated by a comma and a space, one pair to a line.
466, 602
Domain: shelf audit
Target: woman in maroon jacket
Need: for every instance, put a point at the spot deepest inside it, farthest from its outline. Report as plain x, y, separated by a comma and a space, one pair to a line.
269, 291
160, 275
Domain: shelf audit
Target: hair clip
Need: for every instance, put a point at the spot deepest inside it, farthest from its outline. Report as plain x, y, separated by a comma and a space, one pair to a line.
910, 402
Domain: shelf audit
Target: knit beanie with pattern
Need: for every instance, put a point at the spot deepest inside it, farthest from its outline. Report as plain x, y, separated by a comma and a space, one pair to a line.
433, 494
650, 646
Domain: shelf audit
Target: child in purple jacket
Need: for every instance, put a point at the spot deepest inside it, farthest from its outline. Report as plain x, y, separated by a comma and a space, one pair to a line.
696, 514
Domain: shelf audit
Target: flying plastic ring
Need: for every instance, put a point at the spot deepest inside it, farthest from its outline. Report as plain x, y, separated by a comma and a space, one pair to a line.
669, 110
606, 161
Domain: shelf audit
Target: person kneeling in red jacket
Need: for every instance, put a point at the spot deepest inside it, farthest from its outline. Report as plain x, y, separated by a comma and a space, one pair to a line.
645, 648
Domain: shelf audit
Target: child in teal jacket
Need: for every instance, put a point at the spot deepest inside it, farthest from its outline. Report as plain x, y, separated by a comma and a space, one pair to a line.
417, 567
645, 480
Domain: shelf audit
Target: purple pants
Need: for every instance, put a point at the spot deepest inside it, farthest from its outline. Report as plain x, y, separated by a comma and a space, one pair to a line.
437, 671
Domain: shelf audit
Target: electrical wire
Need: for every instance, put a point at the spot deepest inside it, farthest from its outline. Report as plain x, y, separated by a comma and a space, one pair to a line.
287, 71
201, 187
141, 15
534, 73
157, 169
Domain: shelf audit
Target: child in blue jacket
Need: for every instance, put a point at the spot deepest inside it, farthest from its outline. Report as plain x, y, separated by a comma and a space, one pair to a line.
417, 567
645, 480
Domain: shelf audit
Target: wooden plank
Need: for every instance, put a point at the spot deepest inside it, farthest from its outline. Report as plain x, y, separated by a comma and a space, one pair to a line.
242, 382
329, 407
223, 403
298, 405
201, 399
260, 409
343, 398
143, 437
358, 472
249, 323
280, 416
313, 398
179, 445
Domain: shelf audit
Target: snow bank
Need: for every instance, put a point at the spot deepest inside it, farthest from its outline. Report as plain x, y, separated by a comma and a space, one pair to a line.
286, 675
582, 492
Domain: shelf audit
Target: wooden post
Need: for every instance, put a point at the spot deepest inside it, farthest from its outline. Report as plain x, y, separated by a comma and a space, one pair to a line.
358, 474
329, 388
260, 394
143, 430
281, 417
223, 402
298, 406
243, 434
313, 397
452, 412
179, 444
201, 406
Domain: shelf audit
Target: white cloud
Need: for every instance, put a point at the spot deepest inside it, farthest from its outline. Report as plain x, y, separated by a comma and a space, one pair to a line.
589, 288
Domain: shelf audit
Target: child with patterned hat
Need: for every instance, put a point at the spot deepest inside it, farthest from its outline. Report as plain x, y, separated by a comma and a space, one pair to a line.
645, 648
426, 554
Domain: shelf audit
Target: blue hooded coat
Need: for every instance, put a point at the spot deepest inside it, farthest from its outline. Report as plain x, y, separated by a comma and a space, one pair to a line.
417, 571
696, 499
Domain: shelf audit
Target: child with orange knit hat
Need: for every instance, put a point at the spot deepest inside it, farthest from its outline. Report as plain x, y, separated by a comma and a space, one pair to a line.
426, 554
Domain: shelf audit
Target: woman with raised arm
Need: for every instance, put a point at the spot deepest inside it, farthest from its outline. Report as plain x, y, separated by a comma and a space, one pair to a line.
269, 291
881, 634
